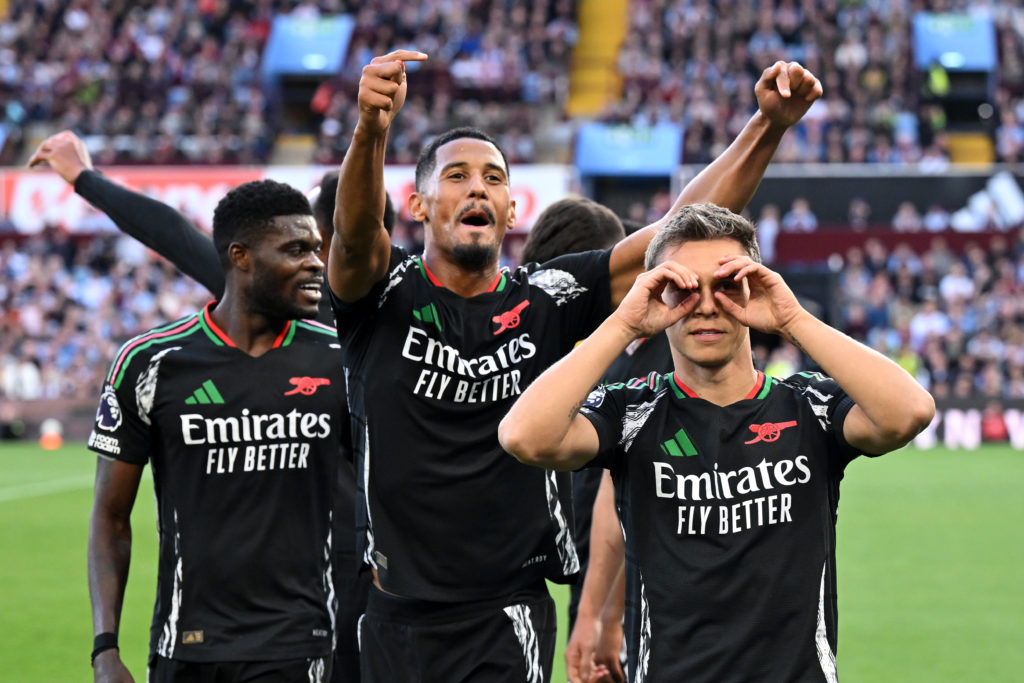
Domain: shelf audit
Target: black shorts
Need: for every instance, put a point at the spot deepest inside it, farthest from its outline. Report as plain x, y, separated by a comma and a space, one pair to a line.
413, 641
305, 670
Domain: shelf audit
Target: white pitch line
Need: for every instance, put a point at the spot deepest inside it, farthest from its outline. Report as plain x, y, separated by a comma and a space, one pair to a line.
43, 488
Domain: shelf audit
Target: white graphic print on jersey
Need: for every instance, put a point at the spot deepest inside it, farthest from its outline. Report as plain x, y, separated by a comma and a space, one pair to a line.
563, 539
169, 633
635, 418
825, 654
394, 278
145, 387
559, 285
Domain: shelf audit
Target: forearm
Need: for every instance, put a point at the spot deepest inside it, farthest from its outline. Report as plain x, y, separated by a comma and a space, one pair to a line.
156, 225
359, 250
537, 430
893, 403
731, 179
110, 548
607, 556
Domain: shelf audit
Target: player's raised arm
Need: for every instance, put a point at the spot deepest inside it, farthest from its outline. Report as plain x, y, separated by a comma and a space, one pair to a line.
360, 249
110, 550
153, 223
891, 407
544, 427
784, 93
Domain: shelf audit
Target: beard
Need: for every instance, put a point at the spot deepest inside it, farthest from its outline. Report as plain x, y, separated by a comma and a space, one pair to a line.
474, 257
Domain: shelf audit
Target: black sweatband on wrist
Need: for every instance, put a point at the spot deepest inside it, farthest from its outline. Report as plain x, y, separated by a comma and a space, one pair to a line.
102, 643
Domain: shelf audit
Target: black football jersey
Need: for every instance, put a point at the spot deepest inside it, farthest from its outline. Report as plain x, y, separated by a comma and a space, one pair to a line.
449, 516
729, 518
244, 454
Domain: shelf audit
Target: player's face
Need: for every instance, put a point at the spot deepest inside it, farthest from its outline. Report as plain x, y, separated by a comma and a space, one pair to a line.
287, 271
709, 337
466, 206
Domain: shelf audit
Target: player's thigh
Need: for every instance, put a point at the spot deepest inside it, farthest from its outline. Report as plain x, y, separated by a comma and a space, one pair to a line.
515, 643
311, 670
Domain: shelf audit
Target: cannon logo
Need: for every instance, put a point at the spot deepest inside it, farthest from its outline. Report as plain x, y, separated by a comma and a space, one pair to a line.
769, 431
307, 386
509, 319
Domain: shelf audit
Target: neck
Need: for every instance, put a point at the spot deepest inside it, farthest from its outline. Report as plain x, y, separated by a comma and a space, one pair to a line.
253, 333
452, 276
722, 385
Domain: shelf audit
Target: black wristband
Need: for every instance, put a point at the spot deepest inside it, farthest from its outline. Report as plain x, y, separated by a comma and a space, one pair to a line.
102, 643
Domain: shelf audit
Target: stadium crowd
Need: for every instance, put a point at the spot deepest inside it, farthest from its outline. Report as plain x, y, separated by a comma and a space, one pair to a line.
954, 321
179, 82
877, 107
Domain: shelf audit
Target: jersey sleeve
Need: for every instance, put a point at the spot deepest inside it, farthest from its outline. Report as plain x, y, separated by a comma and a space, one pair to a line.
605, 408
348, 314
580, 287
156, 225
119, 431
830, 406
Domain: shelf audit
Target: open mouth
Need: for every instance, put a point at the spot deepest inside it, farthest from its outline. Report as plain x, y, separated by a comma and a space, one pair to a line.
476, 218
707, 334
312, 290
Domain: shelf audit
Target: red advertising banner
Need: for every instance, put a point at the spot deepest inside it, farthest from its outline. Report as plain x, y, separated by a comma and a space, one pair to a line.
31, 199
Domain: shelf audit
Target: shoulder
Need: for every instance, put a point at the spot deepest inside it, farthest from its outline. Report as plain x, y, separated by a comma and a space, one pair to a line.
137, 352
636, 391
314, 332
567, 277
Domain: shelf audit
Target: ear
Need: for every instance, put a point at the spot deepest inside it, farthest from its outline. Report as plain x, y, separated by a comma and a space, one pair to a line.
511, 214
240, 257
417, 207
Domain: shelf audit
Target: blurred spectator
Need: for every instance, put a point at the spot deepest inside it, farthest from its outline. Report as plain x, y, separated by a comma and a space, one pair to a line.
858, 215
800, 218
767, 232
907, 218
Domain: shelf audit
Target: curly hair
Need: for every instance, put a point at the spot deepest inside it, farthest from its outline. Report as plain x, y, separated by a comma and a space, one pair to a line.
247, 211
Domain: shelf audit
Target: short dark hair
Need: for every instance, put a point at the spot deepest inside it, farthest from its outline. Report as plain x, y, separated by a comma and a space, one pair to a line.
428, 157
699, 223
247, 211
571, 225
323, 205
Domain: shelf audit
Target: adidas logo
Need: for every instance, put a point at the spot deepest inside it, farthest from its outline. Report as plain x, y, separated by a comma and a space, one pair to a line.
428, 314
205, 395
679, 445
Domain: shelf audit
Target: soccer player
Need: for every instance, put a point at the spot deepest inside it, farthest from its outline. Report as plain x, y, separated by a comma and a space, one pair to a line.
461, 537
240, 419
728, 480
174, 237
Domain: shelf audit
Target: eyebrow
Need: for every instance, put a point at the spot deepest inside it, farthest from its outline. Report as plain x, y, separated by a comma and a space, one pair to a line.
461, 164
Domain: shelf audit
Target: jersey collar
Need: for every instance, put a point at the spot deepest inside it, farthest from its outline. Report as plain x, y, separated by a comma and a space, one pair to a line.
222, 339
760, 390
496, 286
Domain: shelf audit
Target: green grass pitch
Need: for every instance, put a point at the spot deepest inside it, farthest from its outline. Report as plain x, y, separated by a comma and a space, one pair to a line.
930, 543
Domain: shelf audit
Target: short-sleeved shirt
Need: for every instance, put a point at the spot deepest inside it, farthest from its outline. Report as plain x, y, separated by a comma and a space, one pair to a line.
729, 519
244, 453
449, 515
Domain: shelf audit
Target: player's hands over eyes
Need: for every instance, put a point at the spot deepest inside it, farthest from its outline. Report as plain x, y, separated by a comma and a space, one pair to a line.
785, 91
65, 153
658, 299
382, 88
108, 668
770, 306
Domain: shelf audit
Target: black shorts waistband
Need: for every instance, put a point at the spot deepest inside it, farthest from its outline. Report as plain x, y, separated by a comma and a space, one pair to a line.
387, 607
